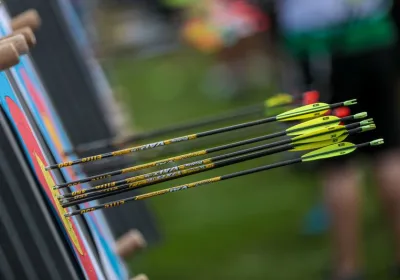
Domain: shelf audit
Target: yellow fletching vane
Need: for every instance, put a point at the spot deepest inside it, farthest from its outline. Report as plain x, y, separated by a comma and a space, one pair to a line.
304, 112
319, 144
334, 150
279, 99
321, 134
313, 125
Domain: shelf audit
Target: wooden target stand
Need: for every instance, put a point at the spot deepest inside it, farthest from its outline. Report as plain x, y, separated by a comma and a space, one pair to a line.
39, 243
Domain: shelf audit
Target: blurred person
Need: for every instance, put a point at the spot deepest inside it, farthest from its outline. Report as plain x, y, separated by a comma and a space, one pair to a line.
352, 43
316, 221
141, 27
229, 30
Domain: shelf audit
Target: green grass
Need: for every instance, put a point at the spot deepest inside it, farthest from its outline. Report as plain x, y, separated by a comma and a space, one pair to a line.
246, 228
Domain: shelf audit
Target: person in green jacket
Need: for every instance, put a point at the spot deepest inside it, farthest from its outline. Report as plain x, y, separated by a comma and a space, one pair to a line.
355, 41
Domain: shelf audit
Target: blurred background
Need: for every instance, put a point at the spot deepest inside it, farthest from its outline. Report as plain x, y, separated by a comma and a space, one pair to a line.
174, 61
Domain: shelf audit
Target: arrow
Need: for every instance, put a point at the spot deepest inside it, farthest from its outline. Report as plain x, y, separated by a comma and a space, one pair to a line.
301, 113
294, 130
304, 112
275, 101
335, 150
327, 136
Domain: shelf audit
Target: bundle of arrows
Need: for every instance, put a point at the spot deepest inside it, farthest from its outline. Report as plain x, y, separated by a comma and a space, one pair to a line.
320, 133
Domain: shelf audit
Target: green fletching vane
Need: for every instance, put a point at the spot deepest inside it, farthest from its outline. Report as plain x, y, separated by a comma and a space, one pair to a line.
321, 134
335, 150
304, 112
319, 144
312, 125
278, 100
